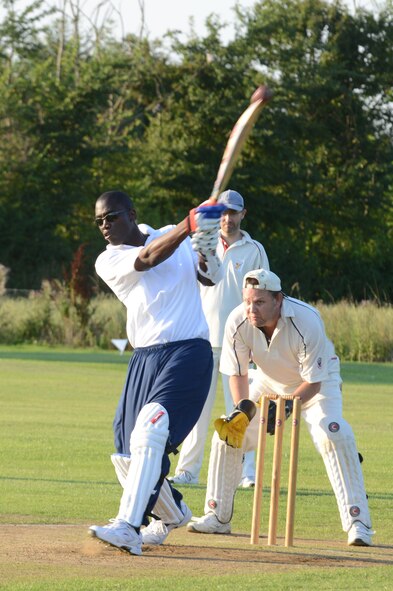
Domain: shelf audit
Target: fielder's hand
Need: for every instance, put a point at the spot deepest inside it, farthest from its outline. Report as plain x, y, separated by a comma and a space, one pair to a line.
205, 217
232, 428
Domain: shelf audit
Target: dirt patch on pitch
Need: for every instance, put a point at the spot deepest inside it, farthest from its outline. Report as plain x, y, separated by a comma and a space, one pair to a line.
38, 550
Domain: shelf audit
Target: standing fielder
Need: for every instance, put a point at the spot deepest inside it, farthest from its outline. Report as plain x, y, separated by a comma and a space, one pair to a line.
154, 273
238, 253
293, 356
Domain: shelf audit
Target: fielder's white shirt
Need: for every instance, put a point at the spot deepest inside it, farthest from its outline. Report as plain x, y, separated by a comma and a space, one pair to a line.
163, 303
298, 351
219, 300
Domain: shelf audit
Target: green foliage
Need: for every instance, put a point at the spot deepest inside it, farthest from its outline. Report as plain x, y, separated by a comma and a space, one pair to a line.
54, 316
361, 332
82, 112
3, 278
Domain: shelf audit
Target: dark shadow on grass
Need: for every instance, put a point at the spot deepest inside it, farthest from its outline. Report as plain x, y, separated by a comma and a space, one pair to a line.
262, 554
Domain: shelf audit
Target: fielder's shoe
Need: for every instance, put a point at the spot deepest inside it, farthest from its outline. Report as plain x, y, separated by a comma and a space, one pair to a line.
120, 534
209, 524
157, 531
247, 482
183, 477
359, 535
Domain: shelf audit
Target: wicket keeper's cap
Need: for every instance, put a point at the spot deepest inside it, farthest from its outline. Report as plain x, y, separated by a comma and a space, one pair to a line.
265, 280
232, 200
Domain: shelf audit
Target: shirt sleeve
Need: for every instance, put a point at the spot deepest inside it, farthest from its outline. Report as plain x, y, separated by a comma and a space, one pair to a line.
235, 355
314, 354
263, 262
117, 268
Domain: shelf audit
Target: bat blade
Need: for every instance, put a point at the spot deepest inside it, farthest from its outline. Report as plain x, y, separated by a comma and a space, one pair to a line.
238, 137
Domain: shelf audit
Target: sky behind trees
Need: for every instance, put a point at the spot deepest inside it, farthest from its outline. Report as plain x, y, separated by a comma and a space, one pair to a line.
155, 17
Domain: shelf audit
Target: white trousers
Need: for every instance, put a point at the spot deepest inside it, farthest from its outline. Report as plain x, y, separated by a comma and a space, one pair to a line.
191, 453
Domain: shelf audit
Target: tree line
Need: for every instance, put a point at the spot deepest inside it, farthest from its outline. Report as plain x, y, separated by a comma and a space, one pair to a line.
82, 112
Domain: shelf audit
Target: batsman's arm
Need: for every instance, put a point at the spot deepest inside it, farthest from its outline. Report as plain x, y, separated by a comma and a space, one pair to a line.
161, 248
204, 219
203, 273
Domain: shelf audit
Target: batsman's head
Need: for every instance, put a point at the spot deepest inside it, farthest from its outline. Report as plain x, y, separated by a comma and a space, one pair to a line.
262, 297
115, 217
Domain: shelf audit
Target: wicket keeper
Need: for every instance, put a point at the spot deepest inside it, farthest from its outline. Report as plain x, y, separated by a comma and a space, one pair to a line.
293, 356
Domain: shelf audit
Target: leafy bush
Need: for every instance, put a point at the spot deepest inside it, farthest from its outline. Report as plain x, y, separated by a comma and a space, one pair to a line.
3, 278
360, 332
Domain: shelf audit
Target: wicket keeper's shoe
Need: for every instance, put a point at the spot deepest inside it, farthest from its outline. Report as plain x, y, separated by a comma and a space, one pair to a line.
209, 524
359, 535
247, 482
183, 477
120, 534
157, 531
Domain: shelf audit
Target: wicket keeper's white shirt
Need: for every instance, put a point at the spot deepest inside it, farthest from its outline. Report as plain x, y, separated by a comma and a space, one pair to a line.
299, 349
163, 303
219, 300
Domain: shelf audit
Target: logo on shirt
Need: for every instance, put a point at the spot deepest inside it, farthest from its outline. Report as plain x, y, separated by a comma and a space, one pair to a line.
334, 427
319, 362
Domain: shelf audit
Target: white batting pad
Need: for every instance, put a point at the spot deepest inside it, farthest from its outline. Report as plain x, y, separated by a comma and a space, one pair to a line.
165, 507
225, 470
147, 446
121, 463
345, 474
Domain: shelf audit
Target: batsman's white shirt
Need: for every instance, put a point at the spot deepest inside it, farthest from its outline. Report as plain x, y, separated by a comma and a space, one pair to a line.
219, 300
298, 351
159, 300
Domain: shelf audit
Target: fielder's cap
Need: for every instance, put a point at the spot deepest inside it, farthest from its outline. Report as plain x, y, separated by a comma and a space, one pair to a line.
232, 200
265, 280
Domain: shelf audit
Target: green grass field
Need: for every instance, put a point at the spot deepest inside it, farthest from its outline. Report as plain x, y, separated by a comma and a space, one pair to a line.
57, 407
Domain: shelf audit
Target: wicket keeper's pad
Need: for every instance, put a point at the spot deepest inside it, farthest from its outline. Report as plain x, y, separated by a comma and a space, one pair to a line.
147, 446
225, 470
336, 443
165, 508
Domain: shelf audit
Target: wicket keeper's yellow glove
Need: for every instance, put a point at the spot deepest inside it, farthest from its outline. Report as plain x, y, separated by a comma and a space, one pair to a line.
232, 428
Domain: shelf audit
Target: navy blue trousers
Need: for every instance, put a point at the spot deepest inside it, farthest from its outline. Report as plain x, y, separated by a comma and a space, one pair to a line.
177, 376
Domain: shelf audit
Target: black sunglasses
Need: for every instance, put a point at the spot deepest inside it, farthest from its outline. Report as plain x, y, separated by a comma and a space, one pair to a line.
110, 217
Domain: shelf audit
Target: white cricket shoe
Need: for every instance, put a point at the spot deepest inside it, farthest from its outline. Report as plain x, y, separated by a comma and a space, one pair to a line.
120, 534
247, 482
157, 531
209, 524
183, 477
359, 535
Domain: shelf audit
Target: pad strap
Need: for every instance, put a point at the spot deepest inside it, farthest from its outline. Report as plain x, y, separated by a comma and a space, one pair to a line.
166, 507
